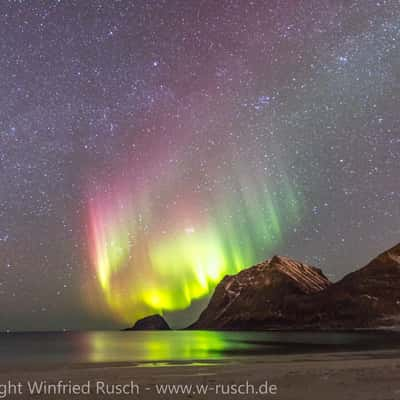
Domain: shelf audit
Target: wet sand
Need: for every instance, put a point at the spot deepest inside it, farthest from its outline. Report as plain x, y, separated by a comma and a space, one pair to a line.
371, 375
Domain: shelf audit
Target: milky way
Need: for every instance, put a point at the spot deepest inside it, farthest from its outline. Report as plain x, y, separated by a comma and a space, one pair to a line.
148, 148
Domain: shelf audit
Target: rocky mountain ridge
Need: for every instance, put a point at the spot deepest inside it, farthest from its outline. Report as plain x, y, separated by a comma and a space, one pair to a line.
281, 293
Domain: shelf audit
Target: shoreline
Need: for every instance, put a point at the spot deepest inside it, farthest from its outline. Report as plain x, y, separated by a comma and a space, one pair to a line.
356, 375
380, 329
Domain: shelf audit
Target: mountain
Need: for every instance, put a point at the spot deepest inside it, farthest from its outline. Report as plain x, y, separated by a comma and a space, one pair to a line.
285, 294
150, 323
367, 298
262, 296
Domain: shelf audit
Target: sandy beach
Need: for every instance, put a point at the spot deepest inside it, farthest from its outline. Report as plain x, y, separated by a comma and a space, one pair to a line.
359, 375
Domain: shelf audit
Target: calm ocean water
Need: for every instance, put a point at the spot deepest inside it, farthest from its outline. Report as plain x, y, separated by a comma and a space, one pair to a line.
176, 346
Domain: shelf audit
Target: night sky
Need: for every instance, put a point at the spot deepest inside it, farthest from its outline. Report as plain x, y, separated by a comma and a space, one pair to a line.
147, 148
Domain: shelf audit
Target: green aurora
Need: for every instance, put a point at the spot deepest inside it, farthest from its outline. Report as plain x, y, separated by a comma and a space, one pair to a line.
151, 259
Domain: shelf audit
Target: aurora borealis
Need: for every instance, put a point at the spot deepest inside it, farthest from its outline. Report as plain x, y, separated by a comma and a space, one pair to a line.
149, 147
150, 257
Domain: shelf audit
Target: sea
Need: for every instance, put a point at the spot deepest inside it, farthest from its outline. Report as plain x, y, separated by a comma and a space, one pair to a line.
166, 347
